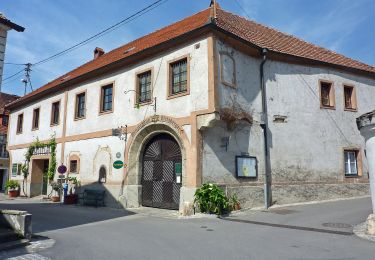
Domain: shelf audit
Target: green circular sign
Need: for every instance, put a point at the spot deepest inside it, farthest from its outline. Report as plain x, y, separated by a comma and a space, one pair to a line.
118, 164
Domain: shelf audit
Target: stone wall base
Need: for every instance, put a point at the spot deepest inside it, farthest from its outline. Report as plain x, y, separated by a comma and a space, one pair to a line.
253, 196
131, 197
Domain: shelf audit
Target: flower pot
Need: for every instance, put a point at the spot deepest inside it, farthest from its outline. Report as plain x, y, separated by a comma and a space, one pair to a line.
70, 199
13, 193
55, 198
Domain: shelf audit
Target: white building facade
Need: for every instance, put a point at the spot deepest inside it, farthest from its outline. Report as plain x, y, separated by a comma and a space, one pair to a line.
189, 107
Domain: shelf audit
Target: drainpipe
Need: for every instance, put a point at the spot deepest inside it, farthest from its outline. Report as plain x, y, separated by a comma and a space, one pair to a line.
264, 125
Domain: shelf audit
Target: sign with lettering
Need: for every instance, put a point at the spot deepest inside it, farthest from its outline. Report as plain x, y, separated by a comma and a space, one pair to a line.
118, 164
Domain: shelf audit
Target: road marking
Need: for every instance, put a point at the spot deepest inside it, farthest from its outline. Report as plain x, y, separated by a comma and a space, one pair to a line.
344, 233
29, 257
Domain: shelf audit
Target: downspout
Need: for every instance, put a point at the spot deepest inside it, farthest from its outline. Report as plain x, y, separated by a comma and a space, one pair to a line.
264, 125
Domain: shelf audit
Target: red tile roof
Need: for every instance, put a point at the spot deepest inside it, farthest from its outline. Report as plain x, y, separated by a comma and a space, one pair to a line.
257, 34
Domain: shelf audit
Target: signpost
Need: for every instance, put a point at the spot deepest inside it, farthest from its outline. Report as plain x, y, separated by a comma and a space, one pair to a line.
118, 164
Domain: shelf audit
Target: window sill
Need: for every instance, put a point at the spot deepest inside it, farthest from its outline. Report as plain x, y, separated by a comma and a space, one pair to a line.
171, 96
34, 129
352, 176
144, 103
52, 125
105, 112
328, 107
79, 118
18, 133
351, 109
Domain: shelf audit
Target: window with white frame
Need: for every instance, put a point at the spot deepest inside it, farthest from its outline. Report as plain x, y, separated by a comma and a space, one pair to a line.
351, 162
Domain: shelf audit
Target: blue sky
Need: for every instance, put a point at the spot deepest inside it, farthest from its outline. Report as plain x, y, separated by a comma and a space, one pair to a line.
345, 26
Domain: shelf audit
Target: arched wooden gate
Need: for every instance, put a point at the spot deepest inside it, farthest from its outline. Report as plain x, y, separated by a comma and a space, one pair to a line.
159, 187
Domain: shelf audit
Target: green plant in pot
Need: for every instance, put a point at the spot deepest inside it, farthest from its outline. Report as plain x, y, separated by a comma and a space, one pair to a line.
13, 187
56, 187
211, 199
234, 203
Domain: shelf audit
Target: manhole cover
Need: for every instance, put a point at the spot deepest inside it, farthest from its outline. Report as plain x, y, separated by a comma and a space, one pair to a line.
337, 225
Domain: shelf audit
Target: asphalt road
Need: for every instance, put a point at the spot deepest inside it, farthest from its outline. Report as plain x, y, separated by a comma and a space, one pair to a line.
89, 233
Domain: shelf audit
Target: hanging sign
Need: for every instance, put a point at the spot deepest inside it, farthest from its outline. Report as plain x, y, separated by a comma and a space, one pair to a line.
62, 169
118, 164
178, 172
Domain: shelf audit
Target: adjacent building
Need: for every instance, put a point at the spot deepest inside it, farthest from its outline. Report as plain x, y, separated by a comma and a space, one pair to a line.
211, 98
4, 119
5, 26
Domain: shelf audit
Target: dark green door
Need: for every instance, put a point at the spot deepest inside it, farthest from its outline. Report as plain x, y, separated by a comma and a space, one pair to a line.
45, 177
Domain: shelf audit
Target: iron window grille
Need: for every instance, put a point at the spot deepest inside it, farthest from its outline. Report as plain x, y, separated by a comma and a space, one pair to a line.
351, 165
73, 166
19, 123
326, 94
55, 113
348, 96
36, 118
179, 76
144, 87
107, 94
80, 106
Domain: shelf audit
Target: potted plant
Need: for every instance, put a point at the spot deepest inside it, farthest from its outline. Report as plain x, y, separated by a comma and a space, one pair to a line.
211, 199
13, 188
234, 203
72, 198
57, 187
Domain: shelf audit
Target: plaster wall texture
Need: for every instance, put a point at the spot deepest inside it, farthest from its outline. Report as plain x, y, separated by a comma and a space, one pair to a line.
45, 131
309, 146
124, 111
3, 41
306, 150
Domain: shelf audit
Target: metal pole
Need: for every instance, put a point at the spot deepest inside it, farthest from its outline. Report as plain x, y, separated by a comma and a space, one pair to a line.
264, 125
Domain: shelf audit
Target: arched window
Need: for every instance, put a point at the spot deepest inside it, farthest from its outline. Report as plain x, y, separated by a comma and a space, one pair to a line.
102, 174
227, 69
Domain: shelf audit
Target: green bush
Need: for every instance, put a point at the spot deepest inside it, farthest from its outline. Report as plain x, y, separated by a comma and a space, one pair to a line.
211, 199
12, 185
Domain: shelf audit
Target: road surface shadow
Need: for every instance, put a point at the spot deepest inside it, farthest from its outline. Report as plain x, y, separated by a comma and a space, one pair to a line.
50, 216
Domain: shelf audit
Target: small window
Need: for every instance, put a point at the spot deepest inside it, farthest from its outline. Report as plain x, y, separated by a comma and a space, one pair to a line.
20, 124
106, 98
73, 166
327, 95
5, 120
349, 98
144, 87
102, 174
55, 113
80, 105
35, 119
227, 69
178, 77
351, 162
16, 169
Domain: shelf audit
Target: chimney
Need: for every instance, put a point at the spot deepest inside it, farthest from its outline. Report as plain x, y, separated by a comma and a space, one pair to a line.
98, 52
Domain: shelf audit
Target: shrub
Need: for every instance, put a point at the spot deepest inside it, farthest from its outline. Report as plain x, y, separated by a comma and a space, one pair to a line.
211, 199
12, 185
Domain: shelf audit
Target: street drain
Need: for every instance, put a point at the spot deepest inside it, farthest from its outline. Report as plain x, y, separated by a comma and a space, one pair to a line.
337, 225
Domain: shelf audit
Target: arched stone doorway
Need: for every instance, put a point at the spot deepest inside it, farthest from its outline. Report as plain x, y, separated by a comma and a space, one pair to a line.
131, 195
161, 172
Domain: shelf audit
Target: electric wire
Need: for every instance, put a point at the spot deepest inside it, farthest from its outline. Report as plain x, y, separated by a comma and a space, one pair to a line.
103, 32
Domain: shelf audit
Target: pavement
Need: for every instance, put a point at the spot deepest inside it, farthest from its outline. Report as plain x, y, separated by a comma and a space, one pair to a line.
293, 232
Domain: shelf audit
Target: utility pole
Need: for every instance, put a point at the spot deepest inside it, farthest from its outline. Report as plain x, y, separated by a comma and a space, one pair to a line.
27, 80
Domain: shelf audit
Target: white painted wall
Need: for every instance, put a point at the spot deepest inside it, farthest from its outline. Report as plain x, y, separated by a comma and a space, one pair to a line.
3, 41
102, 151
124, 110
309, 146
